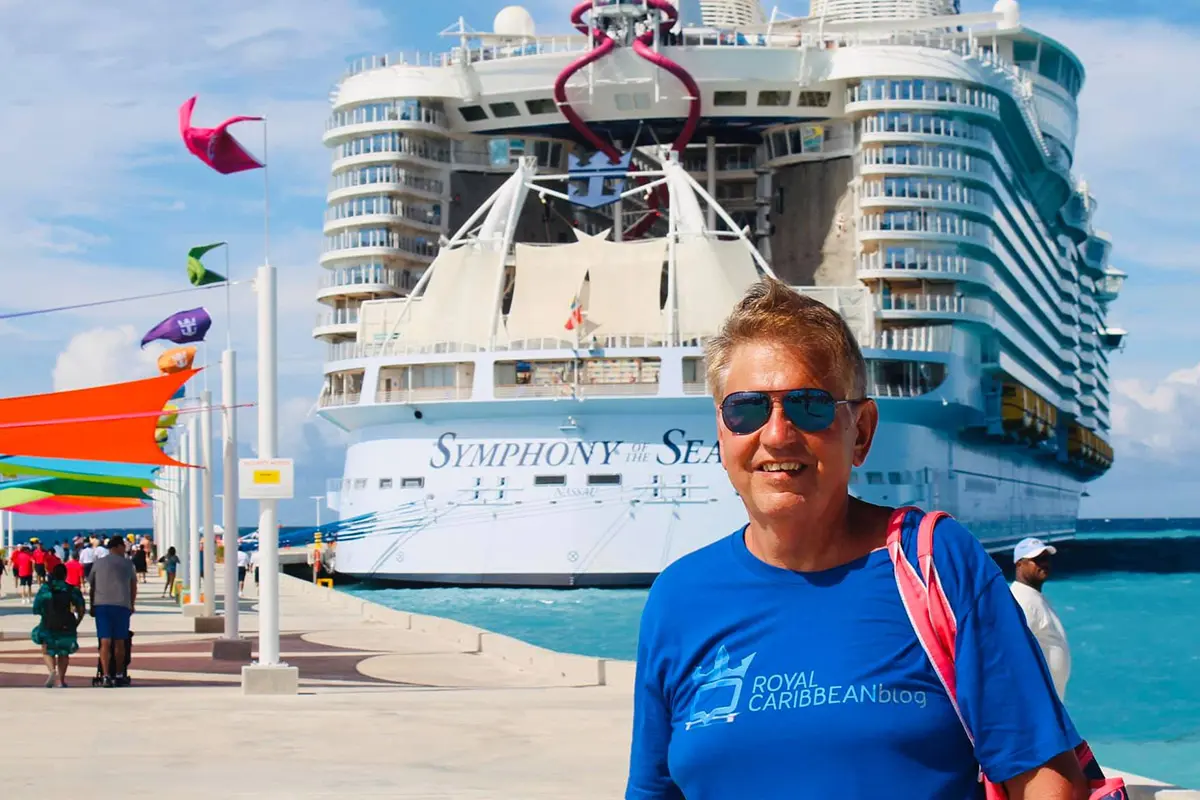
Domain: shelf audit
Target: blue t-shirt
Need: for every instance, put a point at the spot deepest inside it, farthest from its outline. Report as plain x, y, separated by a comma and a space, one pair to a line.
758, 682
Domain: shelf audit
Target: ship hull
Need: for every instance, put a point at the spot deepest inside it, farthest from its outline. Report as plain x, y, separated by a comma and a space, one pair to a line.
609, 500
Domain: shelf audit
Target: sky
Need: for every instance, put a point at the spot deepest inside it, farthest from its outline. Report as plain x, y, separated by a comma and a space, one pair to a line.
100, 200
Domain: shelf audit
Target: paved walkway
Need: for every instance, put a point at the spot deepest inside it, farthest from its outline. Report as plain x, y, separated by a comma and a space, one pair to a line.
383, 711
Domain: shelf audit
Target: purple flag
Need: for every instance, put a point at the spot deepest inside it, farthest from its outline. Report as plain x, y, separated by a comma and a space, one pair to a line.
181, 328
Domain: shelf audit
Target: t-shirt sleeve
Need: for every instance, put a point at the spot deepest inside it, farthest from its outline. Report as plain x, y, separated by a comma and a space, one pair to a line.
649, 776
1005, 691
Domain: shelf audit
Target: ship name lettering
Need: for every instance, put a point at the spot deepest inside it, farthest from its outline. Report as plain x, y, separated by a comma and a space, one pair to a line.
450, 453
687, 451
580, 492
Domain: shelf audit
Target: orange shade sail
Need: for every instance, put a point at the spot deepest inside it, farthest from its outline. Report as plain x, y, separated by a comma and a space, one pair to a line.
104, 423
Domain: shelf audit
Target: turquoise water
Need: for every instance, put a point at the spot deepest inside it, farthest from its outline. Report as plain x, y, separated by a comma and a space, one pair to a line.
1135, 678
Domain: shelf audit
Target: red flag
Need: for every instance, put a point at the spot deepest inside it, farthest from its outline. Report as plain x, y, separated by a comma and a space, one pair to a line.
576, 317
216, 146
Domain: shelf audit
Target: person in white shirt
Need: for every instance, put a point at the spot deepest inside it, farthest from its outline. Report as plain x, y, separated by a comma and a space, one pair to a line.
87, 557
243, 561
1032, 559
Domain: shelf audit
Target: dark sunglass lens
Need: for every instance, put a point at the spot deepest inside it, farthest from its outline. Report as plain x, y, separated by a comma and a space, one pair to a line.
745, 412
809, 411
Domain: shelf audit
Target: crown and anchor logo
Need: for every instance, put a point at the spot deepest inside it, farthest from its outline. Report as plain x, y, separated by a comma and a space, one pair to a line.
717, 678
596, 182
187, 326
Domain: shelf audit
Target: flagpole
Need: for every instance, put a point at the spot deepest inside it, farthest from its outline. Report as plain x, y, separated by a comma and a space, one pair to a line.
228, 302
269, 675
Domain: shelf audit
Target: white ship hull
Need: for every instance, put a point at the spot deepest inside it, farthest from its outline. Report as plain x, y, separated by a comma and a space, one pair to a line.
481, 519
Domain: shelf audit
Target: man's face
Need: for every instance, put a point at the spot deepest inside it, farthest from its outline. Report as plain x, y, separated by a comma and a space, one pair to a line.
1037, 568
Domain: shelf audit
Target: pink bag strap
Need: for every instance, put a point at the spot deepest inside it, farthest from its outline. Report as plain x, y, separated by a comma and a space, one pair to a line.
925, 601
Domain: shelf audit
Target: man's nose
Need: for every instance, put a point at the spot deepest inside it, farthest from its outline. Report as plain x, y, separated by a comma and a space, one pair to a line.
779, 430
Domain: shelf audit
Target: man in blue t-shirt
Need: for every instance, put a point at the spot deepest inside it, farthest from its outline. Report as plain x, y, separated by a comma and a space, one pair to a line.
814, 684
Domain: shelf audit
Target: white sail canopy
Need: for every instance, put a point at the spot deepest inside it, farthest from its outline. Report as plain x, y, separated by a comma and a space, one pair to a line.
459, 301
624, 285
548, 279
711, 277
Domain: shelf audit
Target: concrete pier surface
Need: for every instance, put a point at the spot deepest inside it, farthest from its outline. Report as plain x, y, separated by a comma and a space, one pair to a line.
390, 705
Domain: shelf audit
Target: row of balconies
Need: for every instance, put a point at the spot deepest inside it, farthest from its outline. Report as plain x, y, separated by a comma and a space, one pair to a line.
391, 111
385, 177
920, 90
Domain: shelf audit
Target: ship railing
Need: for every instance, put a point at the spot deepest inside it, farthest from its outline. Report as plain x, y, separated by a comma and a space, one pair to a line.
334, 399
383, 205
372, 275
338, 316
695, 387
933, 303
917, 261
923, 338
423, 394
383, 176
375, 112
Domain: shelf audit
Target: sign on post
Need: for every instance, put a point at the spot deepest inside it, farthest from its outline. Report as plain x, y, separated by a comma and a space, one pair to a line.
265, 478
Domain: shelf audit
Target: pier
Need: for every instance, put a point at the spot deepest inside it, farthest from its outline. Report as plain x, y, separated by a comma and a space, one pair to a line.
390, 704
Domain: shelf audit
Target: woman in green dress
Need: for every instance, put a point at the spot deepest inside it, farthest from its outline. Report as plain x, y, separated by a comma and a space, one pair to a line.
61, 608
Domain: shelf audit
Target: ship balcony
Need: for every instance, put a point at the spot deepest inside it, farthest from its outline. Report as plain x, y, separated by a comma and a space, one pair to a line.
385, 179
915, 338
916, 225
513, 391
377, 243
1087, 381
415, 218
917, 264
337, 322
334, 400
911, 305
916, 94
429, 394
943, 201
365, 281
349, 124
1108, 287
427, 157
1113, 338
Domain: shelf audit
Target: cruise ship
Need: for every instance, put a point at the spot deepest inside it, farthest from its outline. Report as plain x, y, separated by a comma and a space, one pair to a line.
530, 237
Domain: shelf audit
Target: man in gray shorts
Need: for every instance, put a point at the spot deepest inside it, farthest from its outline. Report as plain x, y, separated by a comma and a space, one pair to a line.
113, 594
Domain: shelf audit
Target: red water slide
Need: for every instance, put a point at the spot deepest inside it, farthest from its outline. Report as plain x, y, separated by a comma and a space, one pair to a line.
603, 45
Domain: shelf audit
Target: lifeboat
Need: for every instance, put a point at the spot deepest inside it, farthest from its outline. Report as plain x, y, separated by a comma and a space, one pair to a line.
1087, 450
1026, 414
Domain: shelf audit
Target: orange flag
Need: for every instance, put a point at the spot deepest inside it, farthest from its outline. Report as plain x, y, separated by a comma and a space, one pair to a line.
176, 359
106, 423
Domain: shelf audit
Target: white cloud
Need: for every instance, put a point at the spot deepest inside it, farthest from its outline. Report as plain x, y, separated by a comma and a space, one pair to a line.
101, 356
1158, 419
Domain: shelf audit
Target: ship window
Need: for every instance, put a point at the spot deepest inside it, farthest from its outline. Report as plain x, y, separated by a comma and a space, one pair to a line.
771, 97
549, 480
385, 483
502, 110
853, 478
895, 478
813, 99
729, 98
473, 113
541, 106
360, 483
412, 483
604, 480
874, 478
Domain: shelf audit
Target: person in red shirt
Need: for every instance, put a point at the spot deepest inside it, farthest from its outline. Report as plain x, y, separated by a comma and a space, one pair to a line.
23, 566
39, 563
50, 561
74, 570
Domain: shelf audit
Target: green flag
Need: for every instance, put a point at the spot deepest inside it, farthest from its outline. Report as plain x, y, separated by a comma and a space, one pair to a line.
199, 274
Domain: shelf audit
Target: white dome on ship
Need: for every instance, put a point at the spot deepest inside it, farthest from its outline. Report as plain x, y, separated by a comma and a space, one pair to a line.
514, 21
1011, 10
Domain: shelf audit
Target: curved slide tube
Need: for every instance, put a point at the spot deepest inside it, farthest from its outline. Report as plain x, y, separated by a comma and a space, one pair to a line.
604, 44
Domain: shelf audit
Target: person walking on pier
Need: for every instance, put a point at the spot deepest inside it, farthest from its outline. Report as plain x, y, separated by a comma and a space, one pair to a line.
170, 564
781, 660
87, 557
61, 608
113, 599
1032, 559
23, 569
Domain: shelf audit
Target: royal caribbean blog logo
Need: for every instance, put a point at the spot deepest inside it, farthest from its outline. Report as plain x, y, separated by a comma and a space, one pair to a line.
718, 685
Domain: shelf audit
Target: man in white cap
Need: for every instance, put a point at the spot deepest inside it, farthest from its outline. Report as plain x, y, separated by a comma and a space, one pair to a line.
1032, 559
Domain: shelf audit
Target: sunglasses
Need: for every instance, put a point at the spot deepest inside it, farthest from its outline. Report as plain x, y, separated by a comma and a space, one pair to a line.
810, 410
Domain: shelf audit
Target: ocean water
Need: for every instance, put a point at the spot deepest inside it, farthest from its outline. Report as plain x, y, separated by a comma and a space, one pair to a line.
1129, 601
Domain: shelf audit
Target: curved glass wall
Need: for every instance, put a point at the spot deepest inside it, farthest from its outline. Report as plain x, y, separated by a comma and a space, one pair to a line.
924, 155
384, 204
371, 273
389, 111
416, 146
922, 189
365, 176
923, 91
925, 125
922, 221
896, 378
381, 237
